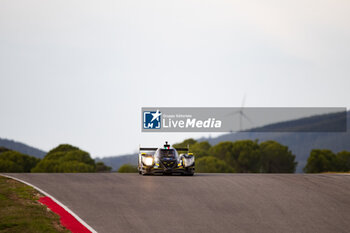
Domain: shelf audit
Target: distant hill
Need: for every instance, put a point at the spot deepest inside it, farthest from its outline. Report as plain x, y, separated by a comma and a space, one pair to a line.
331, 122
116, 161
21, 147
300, 143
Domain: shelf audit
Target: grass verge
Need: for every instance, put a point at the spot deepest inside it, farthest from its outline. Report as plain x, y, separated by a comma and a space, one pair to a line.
21, 212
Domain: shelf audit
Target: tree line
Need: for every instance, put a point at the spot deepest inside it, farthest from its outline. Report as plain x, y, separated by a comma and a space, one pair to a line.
327, 161
244, 156
247, 156
64, 158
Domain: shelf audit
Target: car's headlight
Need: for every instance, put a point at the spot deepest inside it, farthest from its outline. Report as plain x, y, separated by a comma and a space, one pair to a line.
148, 161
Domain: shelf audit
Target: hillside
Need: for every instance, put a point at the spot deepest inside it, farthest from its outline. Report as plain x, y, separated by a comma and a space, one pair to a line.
301, 143
21, 147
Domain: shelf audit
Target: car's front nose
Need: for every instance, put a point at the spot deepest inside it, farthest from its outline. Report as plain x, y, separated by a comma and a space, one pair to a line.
168, 163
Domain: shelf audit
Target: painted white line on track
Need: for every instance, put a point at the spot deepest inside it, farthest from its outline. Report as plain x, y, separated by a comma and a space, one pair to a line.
55, 200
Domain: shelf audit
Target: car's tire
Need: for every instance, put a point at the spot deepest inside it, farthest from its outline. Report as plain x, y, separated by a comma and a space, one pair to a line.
145, 173
188, 174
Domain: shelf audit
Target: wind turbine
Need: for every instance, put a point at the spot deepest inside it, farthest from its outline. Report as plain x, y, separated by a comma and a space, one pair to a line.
242, 114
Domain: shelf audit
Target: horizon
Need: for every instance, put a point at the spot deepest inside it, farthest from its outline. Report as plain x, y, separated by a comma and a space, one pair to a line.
200, 138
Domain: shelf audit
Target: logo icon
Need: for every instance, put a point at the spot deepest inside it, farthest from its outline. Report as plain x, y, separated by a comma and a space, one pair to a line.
152, 119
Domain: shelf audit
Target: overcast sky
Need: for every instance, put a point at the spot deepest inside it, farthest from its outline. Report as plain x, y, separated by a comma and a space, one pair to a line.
79, 72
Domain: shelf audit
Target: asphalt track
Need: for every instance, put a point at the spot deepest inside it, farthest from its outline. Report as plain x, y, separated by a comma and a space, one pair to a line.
113, 202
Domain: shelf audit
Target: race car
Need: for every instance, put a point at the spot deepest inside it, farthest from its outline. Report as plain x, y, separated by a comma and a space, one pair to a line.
165, 160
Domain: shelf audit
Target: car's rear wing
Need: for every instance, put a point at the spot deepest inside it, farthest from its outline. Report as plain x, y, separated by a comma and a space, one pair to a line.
166, 146
155, 148
182, 149
148, 148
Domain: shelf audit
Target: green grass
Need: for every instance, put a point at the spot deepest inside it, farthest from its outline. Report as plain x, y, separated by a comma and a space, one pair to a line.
21, 212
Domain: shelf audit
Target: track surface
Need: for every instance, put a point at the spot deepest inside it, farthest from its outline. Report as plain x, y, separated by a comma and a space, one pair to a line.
249, 203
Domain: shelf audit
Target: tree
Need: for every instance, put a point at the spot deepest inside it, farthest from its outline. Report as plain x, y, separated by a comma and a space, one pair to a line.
3, 149
75, 166
320, 161
128, 168
101, 167
185, 143
200, 149
276, 158
9, 166
243, 155
343, 161
62, 148
211, 164
247, 154
224, 151
66, 158
47, 165
13, 161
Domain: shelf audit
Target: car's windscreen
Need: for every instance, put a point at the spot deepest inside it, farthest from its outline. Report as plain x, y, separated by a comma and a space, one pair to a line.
167, 153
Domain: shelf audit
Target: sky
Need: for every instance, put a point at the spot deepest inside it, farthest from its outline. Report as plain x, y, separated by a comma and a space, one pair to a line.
78, 72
